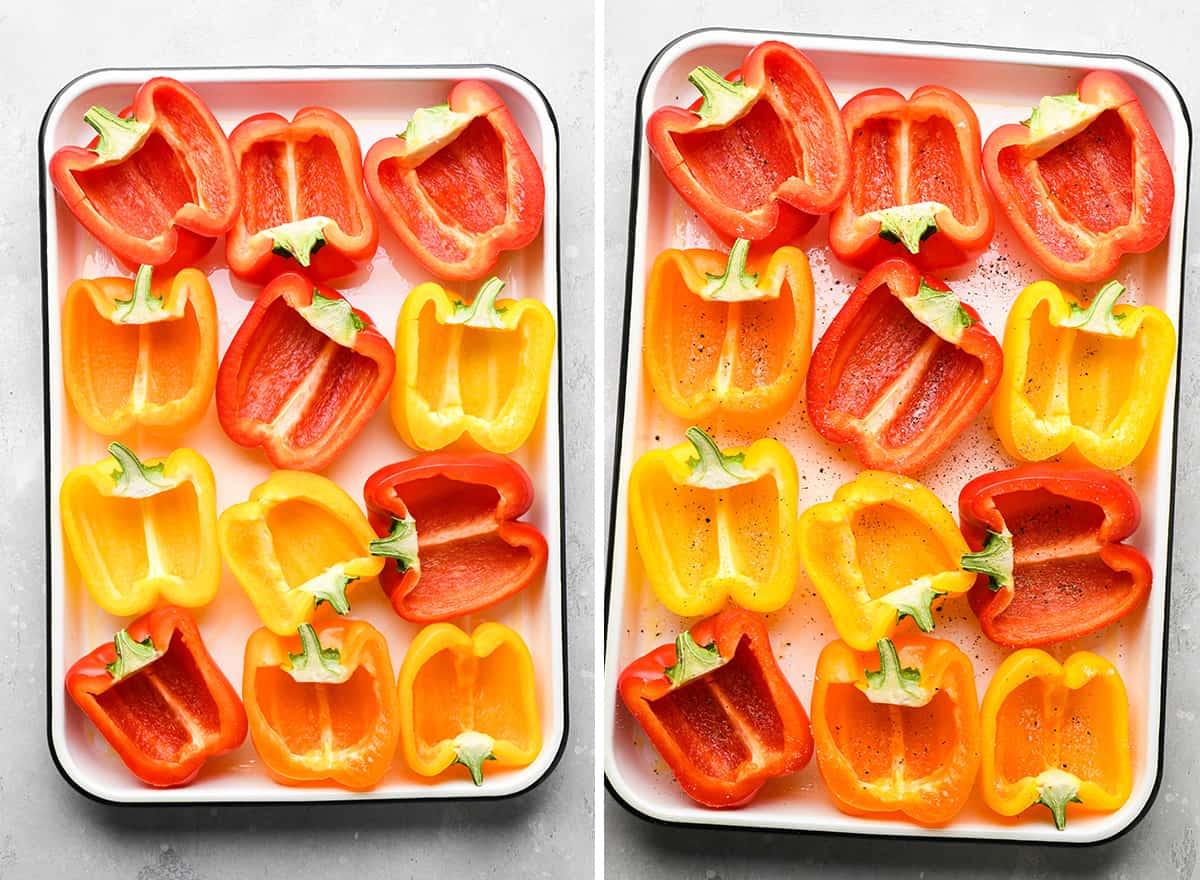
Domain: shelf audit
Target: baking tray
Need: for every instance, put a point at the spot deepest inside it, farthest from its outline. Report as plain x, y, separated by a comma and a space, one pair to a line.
377, 101
1001, 85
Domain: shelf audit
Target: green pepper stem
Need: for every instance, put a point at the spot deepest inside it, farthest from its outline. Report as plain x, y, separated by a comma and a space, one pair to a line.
330, 586
723, 100
915, 601
1097, 316
940, 311
908, 225
133, 479
400, 543
471, 749
692, 660
735, 284
131, 655
333, 316
299, 239
892, 683
142, 307
482, 310
119, 136
316, 664
1056, 789
712, 468
995, 560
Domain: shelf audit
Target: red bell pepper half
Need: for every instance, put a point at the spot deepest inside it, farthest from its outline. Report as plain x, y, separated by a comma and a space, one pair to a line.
1047, 541
158, 698
159, 183
902, 370
762, 153
460, 185
719, 710
469, 550
304, 203
303, 375
916, 186
1084, 180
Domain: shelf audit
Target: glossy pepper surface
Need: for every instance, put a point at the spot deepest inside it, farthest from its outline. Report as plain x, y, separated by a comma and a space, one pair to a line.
897, 728
451, 541
158, 698
728, 336
159, 185
1084, 379
1084, 180
460, 185
478, 370
885, 548
902, 370
715, 525
141, 532
1047, 541
139, 353
304, 204
719, 710
763, 153
916, 185
1055, 734
466, 699
295, 546
322, 703
303, 375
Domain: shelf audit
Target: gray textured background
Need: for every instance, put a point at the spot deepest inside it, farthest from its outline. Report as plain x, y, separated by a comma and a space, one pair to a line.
1164, 845
46, 828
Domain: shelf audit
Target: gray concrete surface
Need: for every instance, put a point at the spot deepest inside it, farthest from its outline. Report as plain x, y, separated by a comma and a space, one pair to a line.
46, 829
1164, 845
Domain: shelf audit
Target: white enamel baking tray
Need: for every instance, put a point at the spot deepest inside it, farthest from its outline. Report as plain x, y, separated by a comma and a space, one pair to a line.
1002, 85
377, 101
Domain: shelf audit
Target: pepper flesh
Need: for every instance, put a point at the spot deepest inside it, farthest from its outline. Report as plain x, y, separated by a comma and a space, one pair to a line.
1069, 574
1055, 734
1084, 379
1084, 180
901, 371
728, 726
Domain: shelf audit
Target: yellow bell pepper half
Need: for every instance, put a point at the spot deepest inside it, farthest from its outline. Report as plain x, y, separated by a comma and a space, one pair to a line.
1089, 377
715, 525
141, 531
296, 545
479, 369
883, 549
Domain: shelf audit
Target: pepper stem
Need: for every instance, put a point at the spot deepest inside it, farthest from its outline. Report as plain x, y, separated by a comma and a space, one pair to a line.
1056, 789
892, 683
119, 136
471, 749
400, 543
142, 307
1097, 316
316, 664
333, 316
482, 310
915, 601
723, 100
133, 479
908, 225
712, 468
735, 284
940, 311
995, 560
1056, 113
432, 124
131, 655
692, 660
299, 239
330, 586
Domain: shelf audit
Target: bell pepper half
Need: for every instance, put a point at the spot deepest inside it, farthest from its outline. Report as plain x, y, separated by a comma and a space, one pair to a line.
460, 185
450, 538
143, 531
321, 704
884, 549
1089, 379
715, 525
1055, 734
719, 710
303, 375
764, 151
728, 336
897, 728
304, 203
902, 370
159, 184
916, 185
136, 353
296, 544
1048, 552
479, 369
1084, 180
466, 699
160, 700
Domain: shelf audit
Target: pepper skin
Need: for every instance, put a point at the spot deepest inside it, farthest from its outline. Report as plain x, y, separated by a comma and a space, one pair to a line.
713, 526
159, 185
897, 728
141, 531
159, 699
460, 185
465, 699
303, 375
763, 153
719, 710
728, 337
901, 371
916, 186
1085, 379
885, 548
1055, 734
322, 704
479, 369
1047, 548
1084, 180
